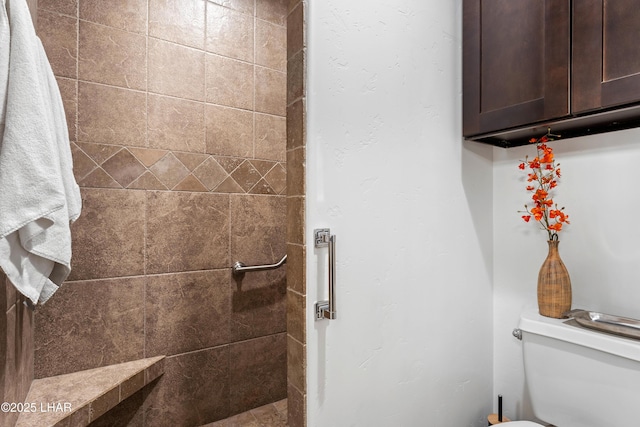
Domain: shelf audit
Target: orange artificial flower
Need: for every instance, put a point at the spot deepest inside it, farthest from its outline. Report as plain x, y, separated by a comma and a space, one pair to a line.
541, 180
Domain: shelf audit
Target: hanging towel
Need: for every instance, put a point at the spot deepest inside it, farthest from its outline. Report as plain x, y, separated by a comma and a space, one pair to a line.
39, 197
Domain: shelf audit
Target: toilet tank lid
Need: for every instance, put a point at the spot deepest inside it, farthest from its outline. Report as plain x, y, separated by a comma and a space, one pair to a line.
560, 329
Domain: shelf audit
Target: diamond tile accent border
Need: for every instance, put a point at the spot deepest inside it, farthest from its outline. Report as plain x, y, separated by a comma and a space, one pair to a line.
112, 166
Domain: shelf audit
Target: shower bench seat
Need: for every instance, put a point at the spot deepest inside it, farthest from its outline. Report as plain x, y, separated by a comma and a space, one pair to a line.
79, 398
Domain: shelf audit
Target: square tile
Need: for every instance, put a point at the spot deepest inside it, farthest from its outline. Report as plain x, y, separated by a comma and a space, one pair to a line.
129, 15
229, 33
229, 131
95, 323
229, 82
178, 21
257, 372
108, 238
187, 231
176, 70
59, 36
175, 319
194, 390
111, 56
111, 115
176, 124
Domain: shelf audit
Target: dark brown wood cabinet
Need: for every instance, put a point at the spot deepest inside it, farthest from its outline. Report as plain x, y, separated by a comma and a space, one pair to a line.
529, 65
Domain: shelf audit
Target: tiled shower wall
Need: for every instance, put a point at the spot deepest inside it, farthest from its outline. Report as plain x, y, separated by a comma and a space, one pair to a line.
176, 112
296, 190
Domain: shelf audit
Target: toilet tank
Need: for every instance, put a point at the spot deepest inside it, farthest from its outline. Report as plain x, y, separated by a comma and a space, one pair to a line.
577, 377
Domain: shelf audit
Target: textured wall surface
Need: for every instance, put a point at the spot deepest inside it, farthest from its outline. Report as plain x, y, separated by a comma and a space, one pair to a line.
176, 112
410, 204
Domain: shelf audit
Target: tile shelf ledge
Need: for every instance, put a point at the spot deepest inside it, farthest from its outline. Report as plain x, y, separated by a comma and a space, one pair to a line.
79, 398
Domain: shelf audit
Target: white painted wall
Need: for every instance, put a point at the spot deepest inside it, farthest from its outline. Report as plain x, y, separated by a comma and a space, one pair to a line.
601, 248
411, 206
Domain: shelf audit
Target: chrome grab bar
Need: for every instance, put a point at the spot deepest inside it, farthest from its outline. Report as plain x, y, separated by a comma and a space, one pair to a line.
327, 309
239, 268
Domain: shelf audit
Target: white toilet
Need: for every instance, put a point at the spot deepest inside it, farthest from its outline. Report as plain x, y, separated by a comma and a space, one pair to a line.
577, 377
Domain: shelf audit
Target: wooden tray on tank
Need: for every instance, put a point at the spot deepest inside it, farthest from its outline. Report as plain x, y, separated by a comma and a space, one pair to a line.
617, 325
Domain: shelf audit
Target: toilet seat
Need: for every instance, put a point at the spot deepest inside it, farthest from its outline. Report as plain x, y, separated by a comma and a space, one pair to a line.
523, 424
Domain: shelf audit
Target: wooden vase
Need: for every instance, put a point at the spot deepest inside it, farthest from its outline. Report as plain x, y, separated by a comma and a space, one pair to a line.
554, 285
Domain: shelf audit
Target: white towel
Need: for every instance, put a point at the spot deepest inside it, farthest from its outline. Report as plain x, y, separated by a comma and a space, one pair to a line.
39, 197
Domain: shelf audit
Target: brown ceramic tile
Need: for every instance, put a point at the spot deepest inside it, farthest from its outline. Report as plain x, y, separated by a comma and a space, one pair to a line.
99, 152
98, 178
175, 319
262, 166
268, 415
178, 21
187, 231
59, 34
190, 183
295, 220
191, 160
176, 70
271, 91
296, 268
147, 156
296, 404
128, 413
296, 310
79, 418
271, 45
293, 4
245, 419
246, 176
229, 163
245, 6
272, 10
295, 76
10, 377
210, 173
296, 124
258, 303
111, 115
229, 32
66, 7
88, 324
124, 167
133, 384
229, 131
296, 363
147, 181
257, 372
281, 406
277, 179
194, 390
229, 185
169, 170
105, 402
296, 171
176, 124
271, 137
295, 31
28, 345
69, 95
262, 187
111, 56
229, 82
130, 15
82, 164
108, 238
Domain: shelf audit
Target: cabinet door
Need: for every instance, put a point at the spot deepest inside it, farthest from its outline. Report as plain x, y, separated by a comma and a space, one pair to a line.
515, 63
606, 55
